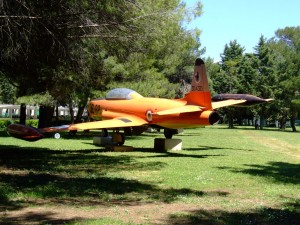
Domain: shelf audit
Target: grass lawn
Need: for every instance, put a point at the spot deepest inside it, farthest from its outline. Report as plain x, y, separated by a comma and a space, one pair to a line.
222, 176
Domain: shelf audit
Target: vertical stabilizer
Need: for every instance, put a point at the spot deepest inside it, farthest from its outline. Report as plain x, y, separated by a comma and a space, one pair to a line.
199, 94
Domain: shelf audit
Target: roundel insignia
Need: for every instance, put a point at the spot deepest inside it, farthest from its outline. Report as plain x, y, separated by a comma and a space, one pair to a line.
197, 77
149, 115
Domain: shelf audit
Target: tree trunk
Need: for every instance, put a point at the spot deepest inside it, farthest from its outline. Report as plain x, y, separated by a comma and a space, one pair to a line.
45, 116
230, 121
282, 121
81, 108
293, 115
23, 114
256, 124
71, 112
262, 122
79, 114
56, 115
230, 118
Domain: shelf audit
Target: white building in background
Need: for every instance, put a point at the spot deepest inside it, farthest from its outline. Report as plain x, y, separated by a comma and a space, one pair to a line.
32, 112
13, 111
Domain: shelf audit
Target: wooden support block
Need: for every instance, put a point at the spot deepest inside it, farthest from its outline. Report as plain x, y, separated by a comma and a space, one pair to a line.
102, 141
162, 144
115, 148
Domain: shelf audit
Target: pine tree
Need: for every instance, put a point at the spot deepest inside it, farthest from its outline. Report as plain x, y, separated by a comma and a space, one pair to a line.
266, 79
286, 45
230, 62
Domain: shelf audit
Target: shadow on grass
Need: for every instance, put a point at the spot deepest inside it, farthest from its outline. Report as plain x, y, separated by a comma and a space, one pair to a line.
265, 129
281, 172
81, 177
174, 154
3, 133
262, 216
265, 216
45, 160
89, 135
37, 218
204, 148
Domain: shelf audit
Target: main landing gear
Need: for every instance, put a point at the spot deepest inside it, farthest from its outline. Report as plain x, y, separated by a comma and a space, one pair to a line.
117, 137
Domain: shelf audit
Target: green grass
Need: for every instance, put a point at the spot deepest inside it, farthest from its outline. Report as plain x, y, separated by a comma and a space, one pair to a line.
223, 176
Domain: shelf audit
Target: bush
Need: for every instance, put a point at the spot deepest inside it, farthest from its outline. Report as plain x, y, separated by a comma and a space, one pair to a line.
32, 123
4, 123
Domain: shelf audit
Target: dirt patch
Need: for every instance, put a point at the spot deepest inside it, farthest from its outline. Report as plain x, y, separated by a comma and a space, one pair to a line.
274, 144
151, 213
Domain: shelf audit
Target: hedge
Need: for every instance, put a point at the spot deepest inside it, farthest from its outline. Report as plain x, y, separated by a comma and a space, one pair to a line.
5, 122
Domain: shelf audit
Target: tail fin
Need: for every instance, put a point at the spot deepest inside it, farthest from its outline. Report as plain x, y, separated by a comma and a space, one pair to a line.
199, 94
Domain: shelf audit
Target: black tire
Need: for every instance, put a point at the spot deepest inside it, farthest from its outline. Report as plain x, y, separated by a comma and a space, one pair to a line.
168, 133
119, 138
123, 140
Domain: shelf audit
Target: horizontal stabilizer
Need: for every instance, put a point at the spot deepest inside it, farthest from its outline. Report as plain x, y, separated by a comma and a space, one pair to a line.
249, 100
184, 109
216, 105
23, 132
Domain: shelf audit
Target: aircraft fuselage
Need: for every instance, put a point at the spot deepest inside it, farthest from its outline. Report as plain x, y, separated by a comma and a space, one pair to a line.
147, 108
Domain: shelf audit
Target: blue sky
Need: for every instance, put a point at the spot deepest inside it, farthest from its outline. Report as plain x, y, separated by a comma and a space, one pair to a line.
223, 21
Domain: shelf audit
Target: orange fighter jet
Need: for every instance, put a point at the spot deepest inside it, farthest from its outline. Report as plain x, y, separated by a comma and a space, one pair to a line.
123, 108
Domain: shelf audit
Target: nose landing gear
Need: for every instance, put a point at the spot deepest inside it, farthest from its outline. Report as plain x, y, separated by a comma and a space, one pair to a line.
170, 132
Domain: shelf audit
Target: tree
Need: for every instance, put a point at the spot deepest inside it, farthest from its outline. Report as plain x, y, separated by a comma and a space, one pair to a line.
248, 74
230, 61
248, 79
39, 38
162, 56
167, 47
74, 47
213, 70
266, 79
286, 45
7, 91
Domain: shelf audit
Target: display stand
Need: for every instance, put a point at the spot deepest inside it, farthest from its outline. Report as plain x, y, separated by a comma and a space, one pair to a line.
162, 144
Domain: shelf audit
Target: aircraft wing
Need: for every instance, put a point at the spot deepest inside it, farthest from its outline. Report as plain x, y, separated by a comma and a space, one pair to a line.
183, 109
128, 121
33, 134
216, 105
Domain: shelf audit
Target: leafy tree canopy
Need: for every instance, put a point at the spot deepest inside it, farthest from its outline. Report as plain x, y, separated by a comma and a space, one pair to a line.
68, 48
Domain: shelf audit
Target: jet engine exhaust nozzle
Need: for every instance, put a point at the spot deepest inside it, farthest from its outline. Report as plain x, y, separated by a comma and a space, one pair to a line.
213, 118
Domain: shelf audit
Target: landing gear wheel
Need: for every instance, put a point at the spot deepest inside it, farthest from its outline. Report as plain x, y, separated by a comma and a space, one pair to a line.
168, 133
123, 140
119, 138
57, 135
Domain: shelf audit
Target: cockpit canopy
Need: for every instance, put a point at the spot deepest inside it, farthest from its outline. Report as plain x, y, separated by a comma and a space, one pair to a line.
122, 94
